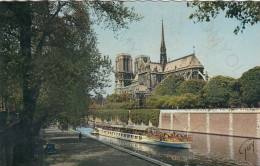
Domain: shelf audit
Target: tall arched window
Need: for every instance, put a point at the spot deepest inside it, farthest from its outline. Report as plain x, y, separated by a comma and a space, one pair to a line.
127, 60
124, 63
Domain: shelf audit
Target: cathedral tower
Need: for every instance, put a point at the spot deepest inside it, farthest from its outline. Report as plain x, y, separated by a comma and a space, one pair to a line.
163, 56
124, 72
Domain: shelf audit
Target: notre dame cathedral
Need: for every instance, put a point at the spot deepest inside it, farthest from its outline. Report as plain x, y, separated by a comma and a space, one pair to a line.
147, 75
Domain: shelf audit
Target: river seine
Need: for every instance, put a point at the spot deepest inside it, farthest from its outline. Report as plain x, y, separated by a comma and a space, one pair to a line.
206, 150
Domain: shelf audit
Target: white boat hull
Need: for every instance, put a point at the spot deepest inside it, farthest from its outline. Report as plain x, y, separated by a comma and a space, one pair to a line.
142, 139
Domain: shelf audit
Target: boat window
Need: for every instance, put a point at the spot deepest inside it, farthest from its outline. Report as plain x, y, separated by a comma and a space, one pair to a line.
140, 137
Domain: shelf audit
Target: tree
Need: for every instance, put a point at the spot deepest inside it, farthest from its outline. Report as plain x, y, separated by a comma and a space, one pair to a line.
56, 48
244, 12
169, 86
52, 50
219, 91
114, 98
95, 106
193, 86
250, 86
159, 101
117, 98
187, 100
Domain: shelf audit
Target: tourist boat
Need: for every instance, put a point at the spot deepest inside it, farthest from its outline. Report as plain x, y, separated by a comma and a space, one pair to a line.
148, 139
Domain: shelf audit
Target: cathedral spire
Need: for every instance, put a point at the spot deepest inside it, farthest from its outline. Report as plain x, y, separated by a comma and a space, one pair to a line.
163, 48
163, 57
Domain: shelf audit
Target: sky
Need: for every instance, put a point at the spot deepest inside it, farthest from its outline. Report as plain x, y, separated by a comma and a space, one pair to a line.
216, 46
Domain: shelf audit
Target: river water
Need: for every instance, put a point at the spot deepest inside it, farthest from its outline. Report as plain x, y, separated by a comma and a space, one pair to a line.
206, 150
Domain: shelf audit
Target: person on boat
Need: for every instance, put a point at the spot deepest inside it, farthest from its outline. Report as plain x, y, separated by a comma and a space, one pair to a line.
161, 137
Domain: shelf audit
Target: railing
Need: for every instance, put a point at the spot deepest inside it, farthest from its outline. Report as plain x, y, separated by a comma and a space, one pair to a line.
213, 110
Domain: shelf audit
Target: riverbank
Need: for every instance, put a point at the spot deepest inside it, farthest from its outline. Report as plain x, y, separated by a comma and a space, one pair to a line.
72, 151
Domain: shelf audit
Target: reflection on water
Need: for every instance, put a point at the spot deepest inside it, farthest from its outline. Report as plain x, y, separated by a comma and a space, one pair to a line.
206, 150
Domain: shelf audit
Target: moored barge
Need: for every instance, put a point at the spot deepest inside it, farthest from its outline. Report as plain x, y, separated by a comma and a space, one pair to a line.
152, 137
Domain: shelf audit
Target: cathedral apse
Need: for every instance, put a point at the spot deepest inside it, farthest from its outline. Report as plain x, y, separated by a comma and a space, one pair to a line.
147, 75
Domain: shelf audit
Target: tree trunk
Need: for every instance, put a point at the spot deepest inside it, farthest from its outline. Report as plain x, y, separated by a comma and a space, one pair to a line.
22, 11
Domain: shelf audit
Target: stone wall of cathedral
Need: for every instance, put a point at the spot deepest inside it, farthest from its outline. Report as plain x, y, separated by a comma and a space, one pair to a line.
124, 71
129, 81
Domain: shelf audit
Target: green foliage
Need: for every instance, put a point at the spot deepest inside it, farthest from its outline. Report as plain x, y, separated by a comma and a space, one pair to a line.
114, 98
144, 116
117, 98
161, 101
250, 86
155, 101
193, 86
48, 52
122, 105
112, 114
137, 116
169, 86
114, 14
154, 117
187, 100
95, 106
218, 91
120, 101
244, 12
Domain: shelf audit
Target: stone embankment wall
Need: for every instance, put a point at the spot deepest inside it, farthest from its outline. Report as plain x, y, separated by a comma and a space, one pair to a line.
231, 122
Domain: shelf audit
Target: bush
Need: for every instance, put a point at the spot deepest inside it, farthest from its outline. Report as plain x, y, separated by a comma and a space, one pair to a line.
108, 115
137, 116
144, 116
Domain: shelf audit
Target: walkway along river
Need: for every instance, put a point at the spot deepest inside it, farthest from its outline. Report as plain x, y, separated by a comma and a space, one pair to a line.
206, 150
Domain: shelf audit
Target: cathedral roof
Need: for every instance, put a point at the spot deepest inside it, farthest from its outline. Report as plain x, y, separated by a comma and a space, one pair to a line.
156, 67
189, 61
